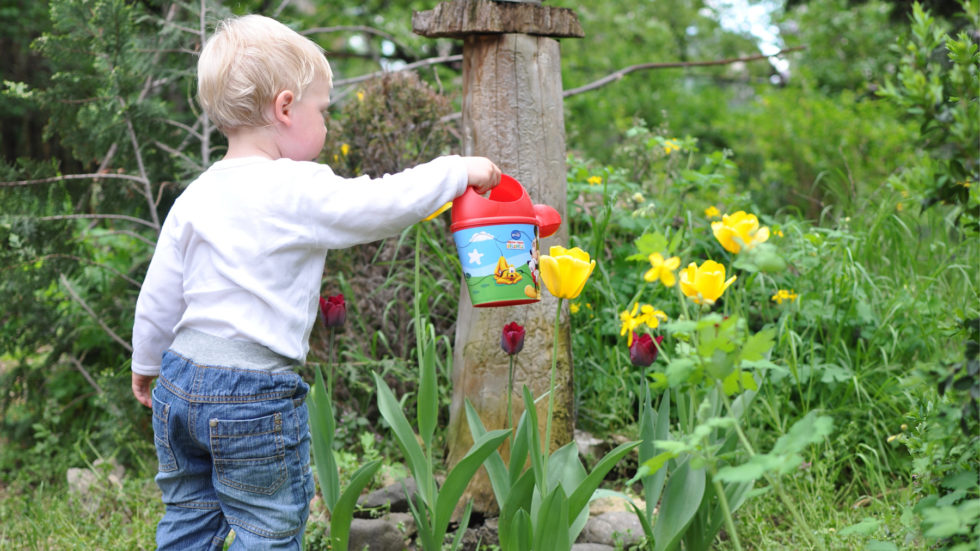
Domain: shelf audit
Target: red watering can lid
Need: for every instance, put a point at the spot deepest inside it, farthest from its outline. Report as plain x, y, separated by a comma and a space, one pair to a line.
508, 203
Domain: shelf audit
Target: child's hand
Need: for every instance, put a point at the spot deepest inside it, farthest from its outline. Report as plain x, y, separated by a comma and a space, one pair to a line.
482, 173
141, 389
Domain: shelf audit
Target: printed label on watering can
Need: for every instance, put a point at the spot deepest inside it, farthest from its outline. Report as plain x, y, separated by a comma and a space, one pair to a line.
500, 263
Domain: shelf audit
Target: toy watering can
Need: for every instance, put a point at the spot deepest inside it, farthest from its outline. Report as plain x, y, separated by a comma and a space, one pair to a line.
497, 241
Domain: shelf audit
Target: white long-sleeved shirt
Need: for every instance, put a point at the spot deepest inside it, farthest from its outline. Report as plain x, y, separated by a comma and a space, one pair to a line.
242, 251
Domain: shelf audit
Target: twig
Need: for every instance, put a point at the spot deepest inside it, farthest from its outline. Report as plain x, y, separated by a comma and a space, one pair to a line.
95, 217
409, 67
91, 176
613, 77
81, 369
79, 260
87, 308
147, 188
176, 153
127, 233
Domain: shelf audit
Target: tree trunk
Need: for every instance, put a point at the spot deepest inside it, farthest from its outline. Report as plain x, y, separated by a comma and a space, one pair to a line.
513, 114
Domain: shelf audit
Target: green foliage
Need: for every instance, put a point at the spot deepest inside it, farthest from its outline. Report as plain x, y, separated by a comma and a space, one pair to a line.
938, 87
391, 123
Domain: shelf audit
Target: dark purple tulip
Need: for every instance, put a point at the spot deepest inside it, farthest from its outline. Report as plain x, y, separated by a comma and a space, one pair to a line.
512, 338
644, 350
334, 310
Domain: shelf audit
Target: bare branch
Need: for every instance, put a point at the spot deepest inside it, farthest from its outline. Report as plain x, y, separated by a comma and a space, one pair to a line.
81, 369
613, 77
409, 67
187, 128
282, 6
127, 233
94, 217
81, 261
350, 28
147, 189
176, 153
91, 176
87, 308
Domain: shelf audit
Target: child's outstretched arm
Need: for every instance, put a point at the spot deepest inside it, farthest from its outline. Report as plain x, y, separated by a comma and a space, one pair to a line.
482, 174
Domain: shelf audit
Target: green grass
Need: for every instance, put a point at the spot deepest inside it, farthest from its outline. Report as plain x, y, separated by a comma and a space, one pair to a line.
109, 518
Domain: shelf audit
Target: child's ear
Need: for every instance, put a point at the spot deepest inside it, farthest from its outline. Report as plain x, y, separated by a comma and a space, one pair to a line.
283, 106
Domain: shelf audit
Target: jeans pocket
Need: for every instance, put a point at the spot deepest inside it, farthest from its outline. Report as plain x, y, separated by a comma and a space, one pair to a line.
249, 454
166, 461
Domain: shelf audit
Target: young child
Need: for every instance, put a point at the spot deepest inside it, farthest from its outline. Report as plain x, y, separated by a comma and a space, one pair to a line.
230, 298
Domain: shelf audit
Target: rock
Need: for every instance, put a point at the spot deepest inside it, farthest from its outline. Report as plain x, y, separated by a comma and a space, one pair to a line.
375, 535
613, 503
393, 498
483, 536
592, 547
85, 485
616, 528
589, 446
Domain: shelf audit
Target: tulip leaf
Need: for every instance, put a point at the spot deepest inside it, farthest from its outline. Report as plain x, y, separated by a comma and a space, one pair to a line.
681, 500
392, 412
343, 513
583, 493
654, 425
519, 449
518, 503
534, 441
464, 522
496, 470
519, 538
322, 429
460, 475
551, 529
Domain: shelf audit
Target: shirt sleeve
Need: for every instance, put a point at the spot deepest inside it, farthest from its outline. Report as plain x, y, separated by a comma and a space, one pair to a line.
160, 304
348, 212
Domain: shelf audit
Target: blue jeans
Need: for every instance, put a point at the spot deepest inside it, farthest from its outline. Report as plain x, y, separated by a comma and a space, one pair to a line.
234, 452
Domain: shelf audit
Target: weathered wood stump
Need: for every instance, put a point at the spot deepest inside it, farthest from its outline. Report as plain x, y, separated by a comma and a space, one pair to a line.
513, 114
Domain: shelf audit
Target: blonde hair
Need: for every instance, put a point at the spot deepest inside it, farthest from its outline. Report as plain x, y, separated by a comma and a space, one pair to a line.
247, 62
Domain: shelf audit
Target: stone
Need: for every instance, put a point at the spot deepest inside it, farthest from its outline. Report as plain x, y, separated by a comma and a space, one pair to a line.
393, 497
592, 547
375, 534
616, 528
85, 485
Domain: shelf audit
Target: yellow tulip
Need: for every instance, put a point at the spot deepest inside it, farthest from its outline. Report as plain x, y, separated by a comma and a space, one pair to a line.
662, 269
704, 284
739, 231
565, 271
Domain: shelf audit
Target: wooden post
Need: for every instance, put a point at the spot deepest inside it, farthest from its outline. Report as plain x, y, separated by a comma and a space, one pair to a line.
513, 114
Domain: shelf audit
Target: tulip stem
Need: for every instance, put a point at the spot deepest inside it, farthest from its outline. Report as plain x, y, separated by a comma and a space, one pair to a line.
510, 392
551, 388
330, 361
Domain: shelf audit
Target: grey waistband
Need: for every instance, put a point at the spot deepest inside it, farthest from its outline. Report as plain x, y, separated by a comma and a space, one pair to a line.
210, 350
